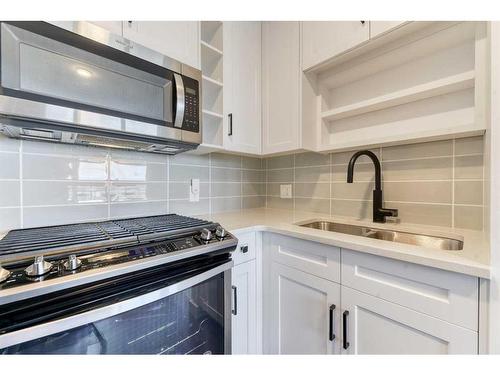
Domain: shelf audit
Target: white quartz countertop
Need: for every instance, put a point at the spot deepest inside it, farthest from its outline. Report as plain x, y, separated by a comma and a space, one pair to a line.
472, 260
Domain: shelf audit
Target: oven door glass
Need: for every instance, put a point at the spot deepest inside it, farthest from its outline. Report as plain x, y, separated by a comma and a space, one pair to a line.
190, 321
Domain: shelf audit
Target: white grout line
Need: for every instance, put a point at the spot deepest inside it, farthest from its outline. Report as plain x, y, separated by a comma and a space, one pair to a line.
294, 178
210, 184
215, 167
453, 186
168, 184
21, 173
241, 181
108, 182
330, 193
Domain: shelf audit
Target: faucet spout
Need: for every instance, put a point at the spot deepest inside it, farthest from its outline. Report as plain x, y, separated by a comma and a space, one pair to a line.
376, 164
379, 213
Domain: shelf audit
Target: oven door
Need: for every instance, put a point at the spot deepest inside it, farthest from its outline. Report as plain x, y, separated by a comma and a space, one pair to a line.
185, 316
52, 75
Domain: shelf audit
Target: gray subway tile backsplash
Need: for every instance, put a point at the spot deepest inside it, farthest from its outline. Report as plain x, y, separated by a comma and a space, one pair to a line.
45, 184
10, 194
428, 182
436, 183
10, 165
41, 193
53, 215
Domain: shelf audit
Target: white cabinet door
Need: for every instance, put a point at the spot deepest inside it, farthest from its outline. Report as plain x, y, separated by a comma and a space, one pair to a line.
375, 326
326, 39
244, 310
380, 27
305, 313
280, 86
176, 39
242, 86
445, 295
112, 26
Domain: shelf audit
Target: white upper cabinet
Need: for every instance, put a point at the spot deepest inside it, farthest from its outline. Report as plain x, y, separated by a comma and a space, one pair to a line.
381, 27
326, 39
114, 27
242, 87
176, 39
280, 86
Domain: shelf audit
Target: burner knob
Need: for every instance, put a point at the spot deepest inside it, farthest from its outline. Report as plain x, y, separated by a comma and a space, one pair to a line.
4, 274
206, 234
220, 232
72, 263
39, 267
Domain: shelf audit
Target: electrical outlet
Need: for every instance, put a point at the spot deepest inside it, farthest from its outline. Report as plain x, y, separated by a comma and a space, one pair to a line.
194, 190
286, 191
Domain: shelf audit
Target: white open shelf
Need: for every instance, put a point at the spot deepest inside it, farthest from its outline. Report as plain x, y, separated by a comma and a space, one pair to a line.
211, 46
211, 34
211, 62
212, 129
212, 114
426, 90
211, 81
418, 89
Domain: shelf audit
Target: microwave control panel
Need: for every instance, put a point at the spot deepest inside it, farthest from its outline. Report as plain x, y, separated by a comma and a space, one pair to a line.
192, 105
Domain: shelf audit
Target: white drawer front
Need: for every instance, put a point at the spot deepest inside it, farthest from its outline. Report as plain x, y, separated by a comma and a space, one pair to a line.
245, 250
442, 294
311, 257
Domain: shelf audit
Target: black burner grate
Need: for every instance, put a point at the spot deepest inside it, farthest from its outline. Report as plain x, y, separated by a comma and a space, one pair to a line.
54, 237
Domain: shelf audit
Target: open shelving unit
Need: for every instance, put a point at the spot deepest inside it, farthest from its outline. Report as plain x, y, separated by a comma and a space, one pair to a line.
211, 47
426, 87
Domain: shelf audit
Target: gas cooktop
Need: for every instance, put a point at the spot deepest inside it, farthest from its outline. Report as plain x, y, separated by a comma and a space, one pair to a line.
46, 257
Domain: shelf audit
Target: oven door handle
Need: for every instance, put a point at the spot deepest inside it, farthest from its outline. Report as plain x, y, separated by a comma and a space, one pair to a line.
64, 324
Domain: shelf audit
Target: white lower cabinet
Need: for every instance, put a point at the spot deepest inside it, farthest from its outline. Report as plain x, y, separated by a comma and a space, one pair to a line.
244, 309
375, 326
377, 306
305, 312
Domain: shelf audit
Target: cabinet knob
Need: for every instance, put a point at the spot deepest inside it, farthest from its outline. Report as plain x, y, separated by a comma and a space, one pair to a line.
244, 249
362, 22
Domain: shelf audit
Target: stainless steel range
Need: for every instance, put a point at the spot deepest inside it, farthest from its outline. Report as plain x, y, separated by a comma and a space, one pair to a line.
149, 285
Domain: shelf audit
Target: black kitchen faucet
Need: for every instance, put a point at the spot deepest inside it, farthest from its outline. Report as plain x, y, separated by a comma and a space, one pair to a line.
379, 213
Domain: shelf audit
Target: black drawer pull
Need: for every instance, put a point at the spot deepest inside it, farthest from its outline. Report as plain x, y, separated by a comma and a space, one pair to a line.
244, 249
345, 344
331, 335
230, 124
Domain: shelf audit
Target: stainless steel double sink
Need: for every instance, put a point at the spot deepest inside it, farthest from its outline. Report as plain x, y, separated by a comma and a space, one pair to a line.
440, 243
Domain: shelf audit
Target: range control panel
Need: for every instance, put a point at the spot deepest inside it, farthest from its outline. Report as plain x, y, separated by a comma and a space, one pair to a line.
70, 264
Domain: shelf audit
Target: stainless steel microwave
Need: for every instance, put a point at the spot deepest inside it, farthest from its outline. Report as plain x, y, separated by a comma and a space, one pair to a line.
80, 84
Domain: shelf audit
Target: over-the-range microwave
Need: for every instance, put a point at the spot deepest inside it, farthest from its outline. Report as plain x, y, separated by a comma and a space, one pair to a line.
80, 84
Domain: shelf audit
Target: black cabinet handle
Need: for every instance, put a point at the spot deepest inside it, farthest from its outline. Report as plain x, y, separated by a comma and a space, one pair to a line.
345, 314
244, 249
362, 22
234, 311
230, 124
331, 335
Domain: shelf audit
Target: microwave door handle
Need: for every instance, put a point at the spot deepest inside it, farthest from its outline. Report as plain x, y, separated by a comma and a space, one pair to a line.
180, 101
